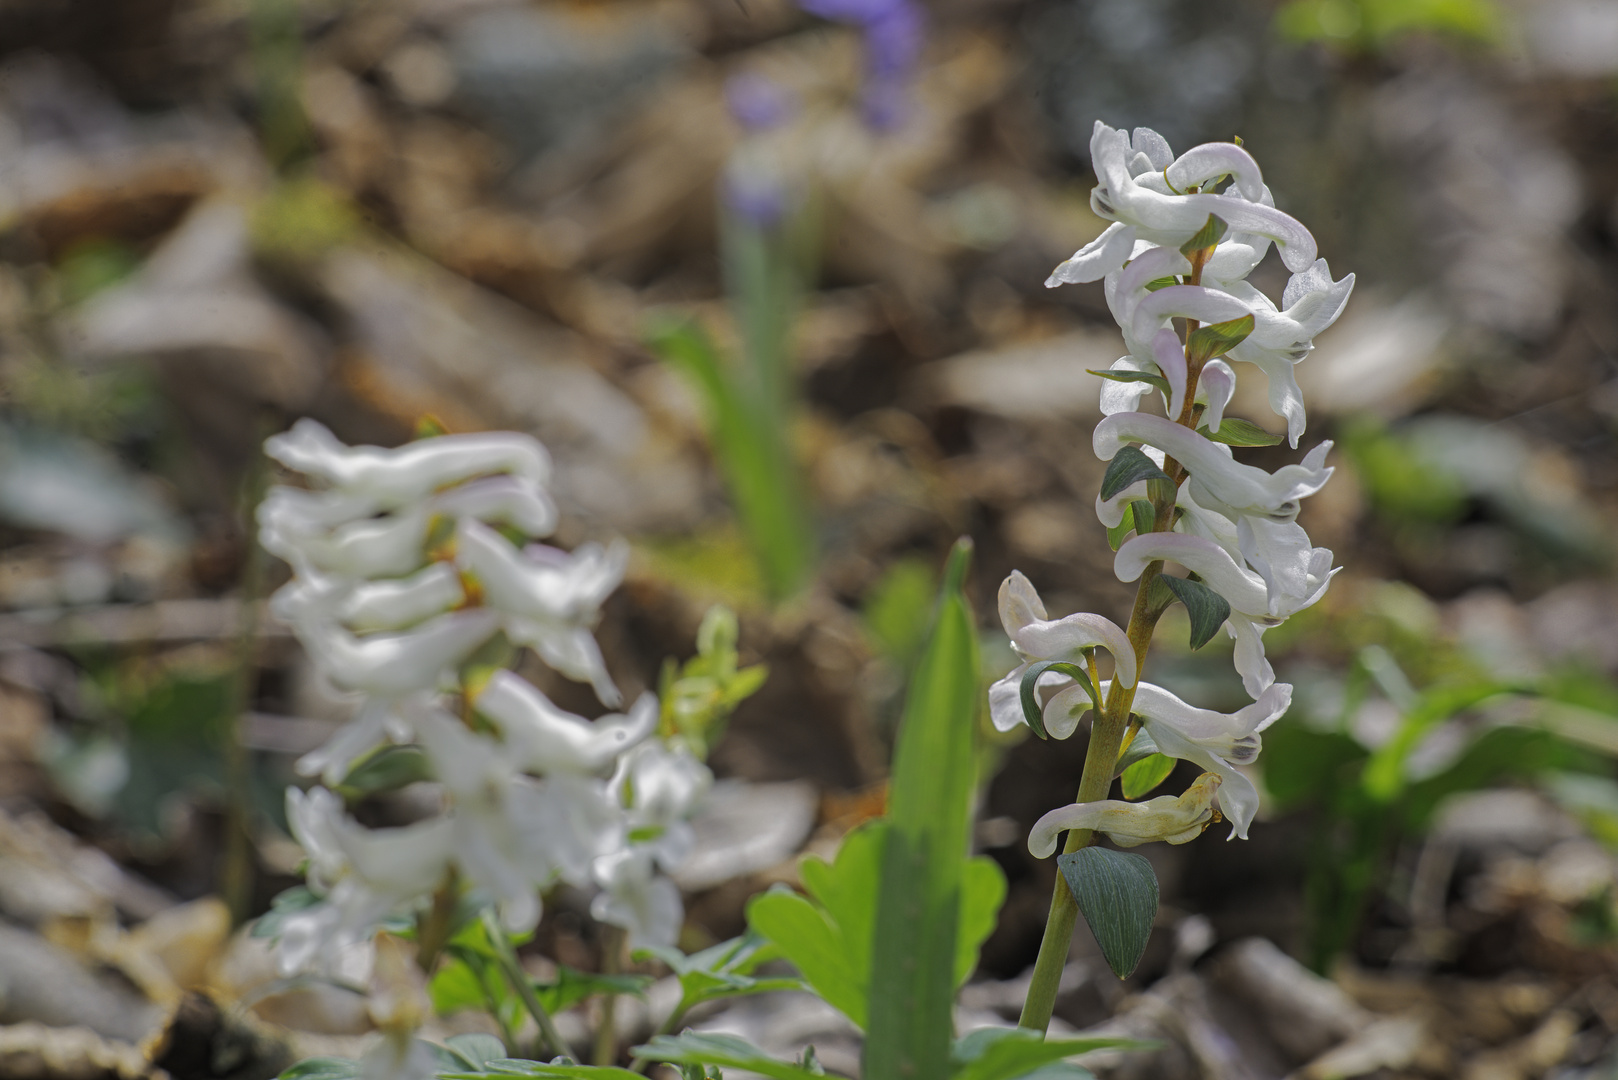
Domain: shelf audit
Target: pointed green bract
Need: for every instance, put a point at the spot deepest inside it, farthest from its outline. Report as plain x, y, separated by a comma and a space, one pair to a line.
1031, 711
1237, 432
1129, 466
1216, 339
1142, 747
1133, 376
1140, 517
1207, 609
1117, 894
1141, 777
1207, 237
919, 913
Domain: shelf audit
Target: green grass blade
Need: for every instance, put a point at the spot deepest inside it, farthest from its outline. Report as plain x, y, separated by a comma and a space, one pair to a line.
924, 861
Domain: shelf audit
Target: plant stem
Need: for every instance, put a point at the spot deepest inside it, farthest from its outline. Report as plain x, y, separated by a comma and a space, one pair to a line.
667, 1027
612, 948
549, 1038
1106, 741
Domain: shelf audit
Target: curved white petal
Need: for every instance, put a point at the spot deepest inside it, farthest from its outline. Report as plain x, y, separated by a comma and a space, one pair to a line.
1170, 357
1182, 302
1095, 260
1213, 160
1176, 819
542, 738
1249, 659
1119, 397
507, 500
1020, 604
394, 664
1216, 386
1067, 638
1005, 700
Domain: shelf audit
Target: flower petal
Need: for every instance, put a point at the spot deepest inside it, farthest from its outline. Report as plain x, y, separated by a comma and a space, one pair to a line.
1244, 589
1176, 819
1095, 260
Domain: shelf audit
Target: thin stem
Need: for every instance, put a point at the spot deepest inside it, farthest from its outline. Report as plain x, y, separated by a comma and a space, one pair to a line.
612, 949
433, 929
549, 1039
667, 1027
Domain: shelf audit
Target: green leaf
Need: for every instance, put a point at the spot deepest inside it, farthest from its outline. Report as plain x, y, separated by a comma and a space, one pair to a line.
1208, 610
476, 1049
1161, 283
722, 970
1013, 1053
388, 769
1129, 466
290, 902
1212, 231
1145, 774
1134, 376
829, 942
1384, 777
561, 1069
919, 916
573, 986
1032, 712
1234, 431
1139, 517
726, 1051
1140, 748
1117, 893
898, 611
1216, 339
748, 433
323, 1068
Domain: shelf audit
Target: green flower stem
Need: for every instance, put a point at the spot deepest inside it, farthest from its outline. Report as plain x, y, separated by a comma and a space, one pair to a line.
550, 1041
612, 949
668, 1027
1106, 742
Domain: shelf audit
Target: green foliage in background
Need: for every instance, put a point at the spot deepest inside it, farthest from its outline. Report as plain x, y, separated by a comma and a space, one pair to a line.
699, 696
1373, 25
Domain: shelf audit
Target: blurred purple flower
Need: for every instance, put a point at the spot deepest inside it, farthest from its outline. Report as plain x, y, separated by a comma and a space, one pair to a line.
758, 102
893, 32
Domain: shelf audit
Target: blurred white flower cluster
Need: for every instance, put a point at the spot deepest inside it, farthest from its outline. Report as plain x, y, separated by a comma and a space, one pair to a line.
1187, 231
409, 567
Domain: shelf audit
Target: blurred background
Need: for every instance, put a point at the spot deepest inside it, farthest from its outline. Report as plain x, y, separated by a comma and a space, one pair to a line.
766, 278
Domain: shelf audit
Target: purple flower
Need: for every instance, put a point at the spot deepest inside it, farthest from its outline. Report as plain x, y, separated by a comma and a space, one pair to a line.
893, 32
758, 102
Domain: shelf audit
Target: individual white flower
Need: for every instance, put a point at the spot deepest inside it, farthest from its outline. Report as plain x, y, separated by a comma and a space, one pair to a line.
513, 836
392, 665
1215, 388
550, 598
1036, 637
660, 786
637, 898
1283, 336
377, 721
386, 546
1177, 819
542, 738
362, 874
1218, 481
408, 474
1217, 742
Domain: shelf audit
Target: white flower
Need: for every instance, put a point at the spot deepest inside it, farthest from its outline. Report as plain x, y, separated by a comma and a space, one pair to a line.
1215, 388
1219, 482
1218, 742
511, 835
636, 897
1145, 200
401, 602
408, 474
1035, 637
378, 720
362, 874
1176, 819
542, 738
392, 665
550, 598
660, 785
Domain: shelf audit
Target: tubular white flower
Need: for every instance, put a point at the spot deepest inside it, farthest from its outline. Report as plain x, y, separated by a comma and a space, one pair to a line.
1210, 161
660, 786
376, 722
551, 598
1154, 310
1244, 589
1170, 356
395, 664
1218, 479
541, 738
637, 898
394, 478
1176, 819
1117, 397
401, 602
1218, 742
503, 500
